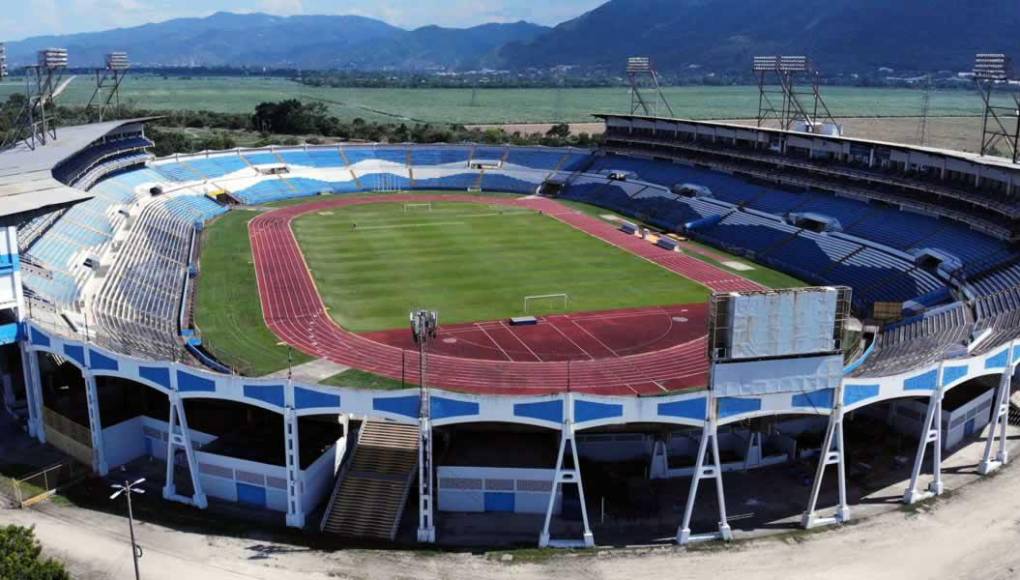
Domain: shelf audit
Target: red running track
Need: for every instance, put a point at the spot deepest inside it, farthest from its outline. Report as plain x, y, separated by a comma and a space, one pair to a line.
294, 311
560, 337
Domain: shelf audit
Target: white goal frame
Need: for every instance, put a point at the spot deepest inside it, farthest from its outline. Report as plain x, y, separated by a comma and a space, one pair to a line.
563, 295
426, 205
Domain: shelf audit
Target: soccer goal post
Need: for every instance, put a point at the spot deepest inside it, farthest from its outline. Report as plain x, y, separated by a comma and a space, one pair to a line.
554, 300
410, 207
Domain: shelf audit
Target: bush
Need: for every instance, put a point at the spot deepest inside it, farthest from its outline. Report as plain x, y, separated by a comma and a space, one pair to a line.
21, 557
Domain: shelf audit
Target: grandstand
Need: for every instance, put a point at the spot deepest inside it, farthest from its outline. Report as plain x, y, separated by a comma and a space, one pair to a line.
108, 246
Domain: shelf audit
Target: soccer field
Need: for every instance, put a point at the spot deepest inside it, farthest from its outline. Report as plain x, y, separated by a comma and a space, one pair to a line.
470, 261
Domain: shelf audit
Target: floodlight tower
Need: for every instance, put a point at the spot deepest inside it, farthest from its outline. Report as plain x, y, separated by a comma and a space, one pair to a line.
44, 82
424, 327
779, 97
3, 61
639, 73
108, 80
1001, 124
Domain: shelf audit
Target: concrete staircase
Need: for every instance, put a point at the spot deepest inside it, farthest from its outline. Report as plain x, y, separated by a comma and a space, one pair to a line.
371, 492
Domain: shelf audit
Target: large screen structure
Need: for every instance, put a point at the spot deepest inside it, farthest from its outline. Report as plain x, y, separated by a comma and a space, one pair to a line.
777, 341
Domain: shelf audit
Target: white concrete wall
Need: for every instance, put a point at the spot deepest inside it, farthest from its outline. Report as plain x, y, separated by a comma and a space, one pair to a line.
317, 480
462, 489
124, 442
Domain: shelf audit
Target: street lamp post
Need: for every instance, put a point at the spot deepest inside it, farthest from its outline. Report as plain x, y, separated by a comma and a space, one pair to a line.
127, 489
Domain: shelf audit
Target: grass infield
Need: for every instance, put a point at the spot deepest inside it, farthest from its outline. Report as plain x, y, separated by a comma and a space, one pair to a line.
470, 262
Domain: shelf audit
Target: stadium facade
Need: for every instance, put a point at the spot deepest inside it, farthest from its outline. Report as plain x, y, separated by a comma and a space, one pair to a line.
100, 252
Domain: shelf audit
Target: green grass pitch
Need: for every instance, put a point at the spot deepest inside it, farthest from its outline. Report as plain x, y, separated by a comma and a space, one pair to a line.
470, 261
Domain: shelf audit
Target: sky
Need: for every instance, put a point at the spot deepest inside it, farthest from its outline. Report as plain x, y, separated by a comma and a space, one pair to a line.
25, 18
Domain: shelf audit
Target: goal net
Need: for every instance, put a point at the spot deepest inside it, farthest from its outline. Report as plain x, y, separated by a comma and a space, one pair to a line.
417, 207
546, 303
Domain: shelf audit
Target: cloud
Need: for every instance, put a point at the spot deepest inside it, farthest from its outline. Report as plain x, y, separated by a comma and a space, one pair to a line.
282, 7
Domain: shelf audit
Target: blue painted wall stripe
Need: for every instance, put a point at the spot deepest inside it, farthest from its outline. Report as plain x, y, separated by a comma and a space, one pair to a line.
821, 398
75, 352
952, 374
406, 406
696, 409
100, 362
272, 394
590, 411
444, 408
730, 406
189, 383
551, 411
923, 382
309, 399
156, 375
39, 339
856, 393
998, 360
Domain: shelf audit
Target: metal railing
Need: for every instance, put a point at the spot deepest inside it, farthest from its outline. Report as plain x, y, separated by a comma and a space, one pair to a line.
36, 487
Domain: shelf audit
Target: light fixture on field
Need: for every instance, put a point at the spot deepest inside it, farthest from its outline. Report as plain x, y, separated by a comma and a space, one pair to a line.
3, 61
1001, 98
44, 82
107, 88
780, 98
641, 74
992, 67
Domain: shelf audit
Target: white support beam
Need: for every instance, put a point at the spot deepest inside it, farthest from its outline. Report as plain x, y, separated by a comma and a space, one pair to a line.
179, 437
832, 453
99, 465
33, 392
996, 441
931, 434
292, 452
709, 443
659, 468
567, 476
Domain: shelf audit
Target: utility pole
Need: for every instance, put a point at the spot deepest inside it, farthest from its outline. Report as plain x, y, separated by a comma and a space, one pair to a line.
127, 489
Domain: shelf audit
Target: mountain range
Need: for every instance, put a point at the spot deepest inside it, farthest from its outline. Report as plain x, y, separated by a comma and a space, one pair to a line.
839, 35
680, 35
308, 42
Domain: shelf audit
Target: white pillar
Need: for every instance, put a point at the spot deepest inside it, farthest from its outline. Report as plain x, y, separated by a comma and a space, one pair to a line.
659, 468
931, 433
33, 392
567, 476
292, 452
179, 436
1000, 420
831, 453
95, 423
709, 443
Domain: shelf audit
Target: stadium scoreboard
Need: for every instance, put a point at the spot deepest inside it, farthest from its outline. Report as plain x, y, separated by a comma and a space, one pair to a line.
777, 340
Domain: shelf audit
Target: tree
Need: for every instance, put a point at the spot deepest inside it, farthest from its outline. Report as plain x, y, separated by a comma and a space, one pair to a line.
21, 557
561, 130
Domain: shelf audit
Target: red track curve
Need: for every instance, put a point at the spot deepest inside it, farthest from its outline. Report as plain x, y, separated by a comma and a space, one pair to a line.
294, 310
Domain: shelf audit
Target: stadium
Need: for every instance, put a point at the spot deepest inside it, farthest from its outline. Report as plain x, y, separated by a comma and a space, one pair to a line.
689, 302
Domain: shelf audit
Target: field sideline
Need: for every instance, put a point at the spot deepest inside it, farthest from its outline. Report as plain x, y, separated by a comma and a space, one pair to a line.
229, 313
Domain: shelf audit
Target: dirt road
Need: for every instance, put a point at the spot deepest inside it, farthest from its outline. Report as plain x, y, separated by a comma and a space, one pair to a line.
972, 534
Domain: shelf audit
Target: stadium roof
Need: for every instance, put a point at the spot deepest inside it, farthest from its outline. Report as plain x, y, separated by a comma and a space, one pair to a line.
26, 175
985, 160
